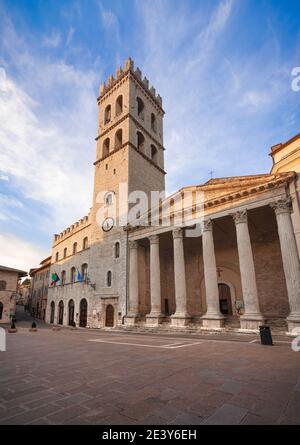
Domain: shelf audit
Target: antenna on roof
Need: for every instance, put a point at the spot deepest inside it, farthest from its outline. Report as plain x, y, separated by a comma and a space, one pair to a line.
211, 174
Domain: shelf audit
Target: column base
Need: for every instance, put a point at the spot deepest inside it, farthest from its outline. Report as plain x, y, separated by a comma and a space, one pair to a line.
132, 319
251, 323
180, 320
154, 319
293, 322
211, 321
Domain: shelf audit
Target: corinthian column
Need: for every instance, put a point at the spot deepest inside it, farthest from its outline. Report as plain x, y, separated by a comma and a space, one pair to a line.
252, 317
133, 315
181, 316
155, 316
290, 259
213, 317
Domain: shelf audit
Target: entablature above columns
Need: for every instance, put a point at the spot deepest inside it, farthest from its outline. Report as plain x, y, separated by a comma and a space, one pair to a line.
237, 210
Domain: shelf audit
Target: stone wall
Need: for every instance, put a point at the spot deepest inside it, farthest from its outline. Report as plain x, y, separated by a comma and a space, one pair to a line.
7, 297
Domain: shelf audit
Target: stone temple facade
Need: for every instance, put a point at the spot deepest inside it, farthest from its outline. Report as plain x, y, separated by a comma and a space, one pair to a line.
212, 256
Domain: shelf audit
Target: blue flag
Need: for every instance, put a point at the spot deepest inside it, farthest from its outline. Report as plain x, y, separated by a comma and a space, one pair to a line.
79, 277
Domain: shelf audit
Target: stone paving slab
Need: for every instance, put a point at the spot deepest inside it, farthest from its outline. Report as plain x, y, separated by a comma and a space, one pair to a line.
61, 377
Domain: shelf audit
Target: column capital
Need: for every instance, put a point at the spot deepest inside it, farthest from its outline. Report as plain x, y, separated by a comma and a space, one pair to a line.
207, 225
154, 239
240, 216
177, 233
133, 244
283, 205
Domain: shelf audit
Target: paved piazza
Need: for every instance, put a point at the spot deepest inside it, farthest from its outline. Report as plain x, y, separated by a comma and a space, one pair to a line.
96, 377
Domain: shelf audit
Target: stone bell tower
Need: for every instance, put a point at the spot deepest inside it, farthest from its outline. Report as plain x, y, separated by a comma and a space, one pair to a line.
130, 135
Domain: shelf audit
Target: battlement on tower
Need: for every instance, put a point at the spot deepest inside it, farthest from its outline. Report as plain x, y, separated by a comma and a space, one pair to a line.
71, 230
121, 72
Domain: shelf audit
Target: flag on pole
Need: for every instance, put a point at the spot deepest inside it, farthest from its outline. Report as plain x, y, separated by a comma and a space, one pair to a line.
79, 277
55, 278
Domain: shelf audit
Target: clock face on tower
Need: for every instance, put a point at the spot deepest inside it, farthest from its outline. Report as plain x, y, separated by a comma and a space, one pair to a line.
108, 224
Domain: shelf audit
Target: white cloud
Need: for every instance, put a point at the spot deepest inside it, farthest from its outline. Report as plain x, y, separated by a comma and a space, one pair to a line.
70, 35
209, 92
53, 40
50, 162
47, 133
111, 24
10, 201
20, 254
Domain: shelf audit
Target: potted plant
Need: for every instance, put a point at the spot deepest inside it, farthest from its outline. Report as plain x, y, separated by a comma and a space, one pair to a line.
12, 328
33, 327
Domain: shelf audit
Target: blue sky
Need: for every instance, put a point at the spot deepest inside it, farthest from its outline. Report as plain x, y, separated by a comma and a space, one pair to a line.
222, 67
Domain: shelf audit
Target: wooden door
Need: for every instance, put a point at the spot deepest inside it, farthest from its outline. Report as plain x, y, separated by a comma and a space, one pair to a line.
225, 299
83, 313
110, 315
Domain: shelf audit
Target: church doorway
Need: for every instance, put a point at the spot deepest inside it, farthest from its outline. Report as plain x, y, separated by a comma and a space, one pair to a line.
61, 312
71, 313
83, 313
225, 299
110, 315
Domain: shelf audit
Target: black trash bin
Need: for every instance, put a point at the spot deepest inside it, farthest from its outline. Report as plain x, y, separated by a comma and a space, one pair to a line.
265, 335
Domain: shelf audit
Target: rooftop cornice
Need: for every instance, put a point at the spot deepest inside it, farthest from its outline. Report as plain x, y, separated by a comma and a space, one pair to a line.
230, 197
277, 147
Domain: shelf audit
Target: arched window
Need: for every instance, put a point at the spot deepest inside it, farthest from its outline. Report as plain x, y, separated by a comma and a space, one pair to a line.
118, 138
85, 243
108, 278
105, 149
63, 278
117, 250
65, 252
153, 122
61, 312
73, 275
56, 256
84, 271
2, 285
71, 312
140, 141
153, 153
140, 107
83, 313
107, 114
52, 312
119, 105
74, 248
109, 199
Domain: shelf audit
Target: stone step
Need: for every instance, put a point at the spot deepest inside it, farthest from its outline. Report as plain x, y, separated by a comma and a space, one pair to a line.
232, 325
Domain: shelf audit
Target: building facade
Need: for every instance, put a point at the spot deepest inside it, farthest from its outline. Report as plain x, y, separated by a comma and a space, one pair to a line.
23, 292
9, 279
39, 286
122, 264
